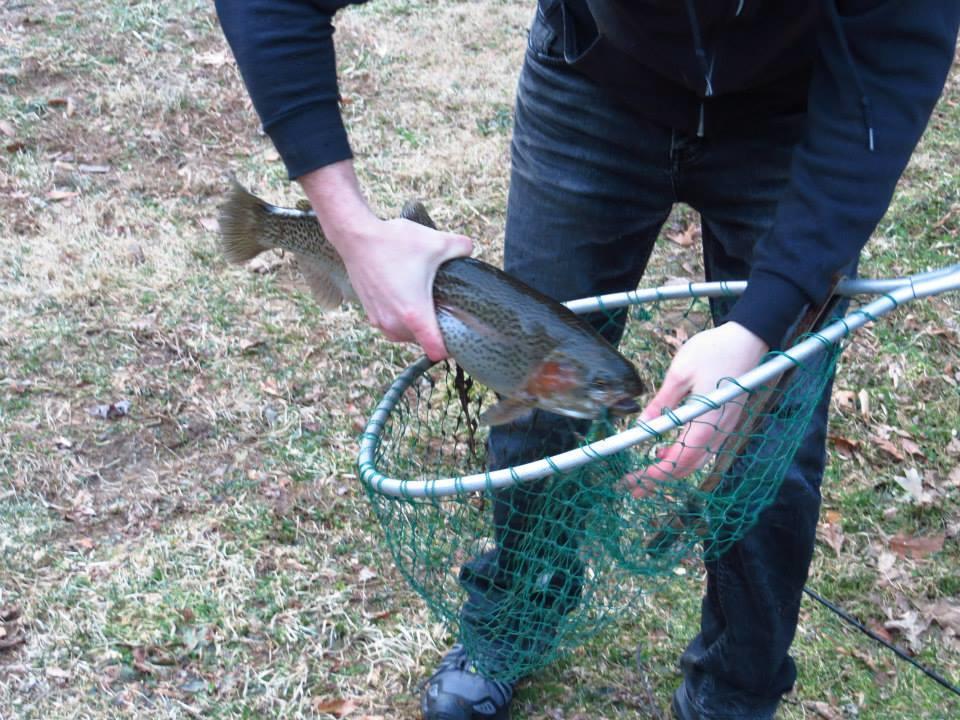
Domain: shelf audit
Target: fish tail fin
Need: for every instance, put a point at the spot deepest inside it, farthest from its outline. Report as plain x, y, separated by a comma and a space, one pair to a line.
243, 220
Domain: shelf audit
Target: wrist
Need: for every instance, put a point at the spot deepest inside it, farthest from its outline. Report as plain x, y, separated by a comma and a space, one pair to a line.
341, 208
749, 339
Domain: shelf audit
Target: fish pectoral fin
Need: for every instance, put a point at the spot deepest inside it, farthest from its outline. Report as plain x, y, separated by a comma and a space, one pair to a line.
326, 292
505, 411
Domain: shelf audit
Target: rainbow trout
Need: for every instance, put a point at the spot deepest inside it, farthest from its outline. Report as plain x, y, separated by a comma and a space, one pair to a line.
528, 348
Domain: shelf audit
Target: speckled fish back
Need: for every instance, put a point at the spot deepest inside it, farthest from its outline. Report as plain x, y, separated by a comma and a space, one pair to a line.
500, 330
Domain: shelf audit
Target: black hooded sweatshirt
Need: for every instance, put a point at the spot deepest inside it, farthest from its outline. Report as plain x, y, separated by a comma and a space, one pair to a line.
866, 72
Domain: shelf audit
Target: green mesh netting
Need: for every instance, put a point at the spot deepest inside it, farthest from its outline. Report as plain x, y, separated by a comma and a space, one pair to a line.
525, 573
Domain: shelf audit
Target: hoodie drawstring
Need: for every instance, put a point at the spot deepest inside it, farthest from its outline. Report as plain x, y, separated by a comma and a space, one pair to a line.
698, 48
837, 26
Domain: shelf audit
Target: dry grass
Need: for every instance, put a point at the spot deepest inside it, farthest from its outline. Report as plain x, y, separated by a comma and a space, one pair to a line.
210, 553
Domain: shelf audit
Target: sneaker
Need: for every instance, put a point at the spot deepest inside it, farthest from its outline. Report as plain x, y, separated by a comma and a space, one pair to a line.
456, 691
680, 707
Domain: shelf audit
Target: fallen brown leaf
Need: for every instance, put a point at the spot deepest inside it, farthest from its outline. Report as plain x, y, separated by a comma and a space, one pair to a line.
823, 709
686, 237
845, 399
912, 625
832, 535
832, 516
916, 547
61, 195
140, 660
889, 448
911, 447
865, 658
338, 707
880, 630
946, 614
270, 387
843, 444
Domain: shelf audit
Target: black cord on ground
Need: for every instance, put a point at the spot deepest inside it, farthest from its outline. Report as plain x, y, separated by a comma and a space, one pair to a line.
932, 674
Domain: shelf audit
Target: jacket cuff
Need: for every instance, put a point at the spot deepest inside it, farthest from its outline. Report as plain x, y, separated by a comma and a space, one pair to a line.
309, 138
769, 307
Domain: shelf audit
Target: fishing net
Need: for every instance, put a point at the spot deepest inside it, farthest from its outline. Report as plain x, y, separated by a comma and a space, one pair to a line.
524, 573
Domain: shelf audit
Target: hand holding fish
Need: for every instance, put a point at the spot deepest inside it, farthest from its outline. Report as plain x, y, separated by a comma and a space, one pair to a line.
526, 347
699, 367
391, 264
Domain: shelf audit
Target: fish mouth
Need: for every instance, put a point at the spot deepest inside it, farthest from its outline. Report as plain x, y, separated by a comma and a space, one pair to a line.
625, 406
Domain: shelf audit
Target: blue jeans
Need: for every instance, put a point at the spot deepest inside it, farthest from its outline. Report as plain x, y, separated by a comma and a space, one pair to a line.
591, 185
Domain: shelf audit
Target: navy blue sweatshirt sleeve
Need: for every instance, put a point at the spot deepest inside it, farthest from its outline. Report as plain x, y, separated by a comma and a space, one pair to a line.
285, 52
897, 57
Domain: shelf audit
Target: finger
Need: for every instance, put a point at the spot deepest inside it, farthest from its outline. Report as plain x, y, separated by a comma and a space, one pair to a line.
669, 395
638, 484
684, 457
427, 335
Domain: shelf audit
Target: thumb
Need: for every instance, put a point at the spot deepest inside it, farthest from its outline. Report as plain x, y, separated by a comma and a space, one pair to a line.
457, 246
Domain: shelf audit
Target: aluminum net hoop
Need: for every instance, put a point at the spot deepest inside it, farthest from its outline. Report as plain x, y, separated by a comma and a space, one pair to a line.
895, 292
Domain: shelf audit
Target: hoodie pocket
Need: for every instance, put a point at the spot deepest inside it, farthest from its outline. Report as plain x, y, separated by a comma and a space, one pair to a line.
543, 41
559, 36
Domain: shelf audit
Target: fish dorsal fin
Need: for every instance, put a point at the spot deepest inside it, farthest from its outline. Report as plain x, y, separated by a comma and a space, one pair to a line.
505, 411
414, 211
326, 292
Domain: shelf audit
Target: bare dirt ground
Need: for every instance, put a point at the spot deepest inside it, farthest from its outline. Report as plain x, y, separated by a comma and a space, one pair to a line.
181, 528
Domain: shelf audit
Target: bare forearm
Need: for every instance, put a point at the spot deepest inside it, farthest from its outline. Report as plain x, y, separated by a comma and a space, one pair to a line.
341, 208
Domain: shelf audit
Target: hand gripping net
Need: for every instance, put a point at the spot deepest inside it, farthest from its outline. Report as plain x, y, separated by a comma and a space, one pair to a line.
527, 561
